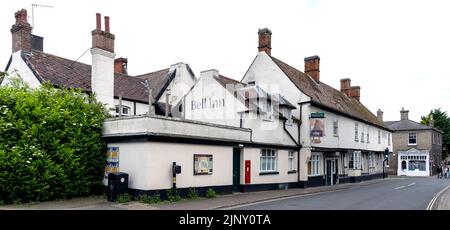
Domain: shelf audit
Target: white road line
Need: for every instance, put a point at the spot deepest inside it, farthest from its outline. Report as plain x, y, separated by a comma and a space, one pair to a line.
411, 184
277, 199
399, 187
431, 204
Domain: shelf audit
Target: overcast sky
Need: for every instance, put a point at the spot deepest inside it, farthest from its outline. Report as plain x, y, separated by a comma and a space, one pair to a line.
398, 52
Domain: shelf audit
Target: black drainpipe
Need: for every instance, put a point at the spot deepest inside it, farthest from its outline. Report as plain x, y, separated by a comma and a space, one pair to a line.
299, 141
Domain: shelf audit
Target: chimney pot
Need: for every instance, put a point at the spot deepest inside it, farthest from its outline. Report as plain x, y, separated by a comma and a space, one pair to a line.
106, 24
265, 40
98, 21
101, 39
312, 67
120, 65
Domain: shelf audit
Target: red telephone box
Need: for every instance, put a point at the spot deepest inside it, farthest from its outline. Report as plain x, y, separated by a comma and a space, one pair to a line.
247, 171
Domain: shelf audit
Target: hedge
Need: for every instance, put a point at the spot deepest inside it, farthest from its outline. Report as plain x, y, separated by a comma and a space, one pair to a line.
51, 144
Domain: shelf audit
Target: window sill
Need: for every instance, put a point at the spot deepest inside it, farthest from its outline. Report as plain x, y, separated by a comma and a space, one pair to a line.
412, 144
268, 173
292, 172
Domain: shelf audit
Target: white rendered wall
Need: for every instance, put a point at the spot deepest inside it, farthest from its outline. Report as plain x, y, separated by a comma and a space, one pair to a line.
254, 155
18, 66
208, 88
102, 79
346, 132
271, 78
172, 127
180, 85
149, 164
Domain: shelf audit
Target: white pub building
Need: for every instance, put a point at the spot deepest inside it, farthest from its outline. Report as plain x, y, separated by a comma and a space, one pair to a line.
276, 128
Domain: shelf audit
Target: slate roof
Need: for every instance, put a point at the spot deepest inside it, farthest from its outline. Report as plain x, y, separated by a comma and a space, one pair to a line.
62, 72
404, 125
328, 97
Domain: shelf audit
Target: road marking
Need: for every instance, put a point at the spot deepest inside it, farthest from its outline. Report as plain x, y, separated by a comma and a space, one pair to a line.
399, 187
411, 184
431, 204
277, 199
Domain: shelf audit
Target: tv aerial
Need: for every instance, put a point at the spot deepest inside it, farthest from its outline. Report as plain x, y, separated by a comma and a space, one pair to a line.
35, 5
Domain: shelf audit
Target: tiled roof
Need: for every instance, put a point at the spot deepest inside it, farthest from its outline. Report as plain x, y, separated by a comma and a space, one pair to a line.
157, 80
404, 125
325, 95
224, 81
63, 72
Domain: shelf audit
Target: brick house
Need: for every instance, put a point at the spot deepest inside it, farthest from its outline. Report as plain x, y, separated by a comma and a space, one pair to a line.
417, 147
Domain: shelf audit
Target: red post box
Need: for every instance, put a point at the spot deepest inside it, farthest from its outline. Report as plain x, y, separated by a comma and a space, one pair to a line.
247, 171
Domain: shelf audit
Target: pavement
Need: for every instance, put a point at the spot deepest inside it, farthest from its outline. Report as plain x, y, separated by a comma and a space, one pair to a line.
223, 202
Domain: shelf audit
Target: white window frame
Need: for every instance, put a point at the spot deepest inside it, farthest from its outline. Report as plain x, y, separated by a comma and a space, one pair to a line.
389, 139
412, 135
124, 108
371, 159
291, 161
356, 132
355, 158
379, 136
335, 127
268, 160
315, 164
368, 137
362, 137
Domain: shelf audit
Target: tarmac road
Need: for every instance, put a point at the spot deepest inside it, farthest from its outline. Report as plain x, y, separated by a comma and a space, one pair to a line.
401, 194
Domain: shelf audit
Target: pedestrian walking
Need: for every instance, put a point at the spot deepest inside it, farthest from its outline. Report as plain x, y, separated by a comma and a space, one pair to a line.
446, 172
439, 172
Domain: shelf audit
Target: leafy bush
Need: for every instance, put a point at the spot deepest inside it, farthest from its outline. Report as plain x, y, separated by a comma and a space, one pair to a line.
51, 144
156, 198
192, 194
210, 193
172, 195
124, 198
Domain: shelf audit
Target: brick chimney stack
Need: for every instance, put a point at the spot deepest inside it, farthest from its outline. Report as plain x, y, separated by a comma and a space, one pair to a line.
349, 90
102, 39
380, 115
404, 114
120, 65
312, 67
21, 32
265, 40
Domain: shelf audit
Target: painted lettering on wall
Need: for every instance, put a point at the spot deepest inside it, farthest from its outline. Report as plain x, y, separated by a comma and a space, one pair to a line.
207, 103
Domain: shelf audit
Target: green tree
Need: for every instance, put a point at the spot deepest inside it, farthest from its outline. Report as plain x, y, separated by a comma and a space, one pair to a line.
51, 144
441, 121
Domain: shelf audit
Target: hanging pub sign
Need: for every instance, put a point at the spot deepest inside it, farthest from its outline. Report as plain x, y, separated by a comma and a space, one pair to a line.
317, 127
112, 161
203, 164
